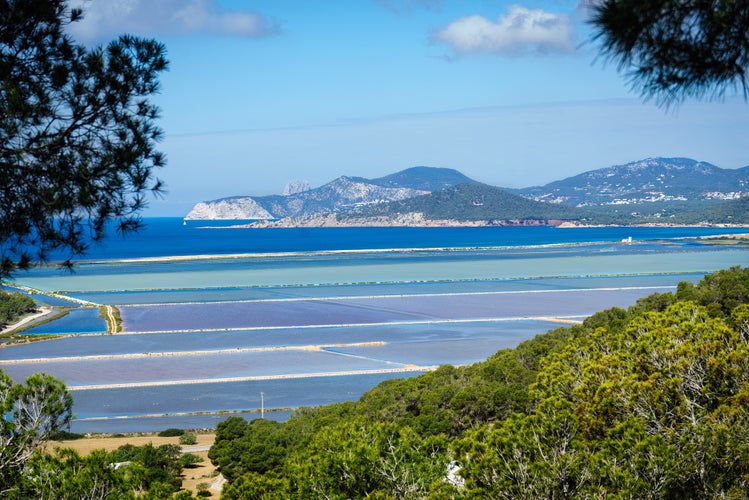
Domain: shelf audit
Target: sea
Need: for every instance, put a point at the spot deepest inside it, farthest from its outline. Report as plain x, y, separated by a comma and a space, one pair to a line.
222, 319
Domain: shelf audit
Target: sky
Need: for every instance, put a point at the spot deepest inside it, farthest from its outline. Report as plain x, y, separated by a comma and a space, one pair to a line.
513, 94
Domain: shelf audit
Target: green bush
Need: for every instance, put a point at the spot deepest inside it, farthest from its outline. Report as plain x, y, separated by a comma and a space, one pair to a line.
171, 432
188, 460
65, 436
203, 489
188, 438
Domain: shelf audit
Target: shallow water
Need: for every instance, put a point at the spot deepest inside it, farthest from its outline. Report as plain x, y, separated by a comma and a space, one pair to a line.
377, 289
236, 327
507, 332
444, 267
305, 313
228, 396
76, 321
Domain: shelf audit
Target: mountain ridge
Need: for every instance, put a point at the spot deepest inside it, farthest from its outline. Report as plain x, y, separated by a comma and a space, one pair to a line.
343, 193
648, 180
651, 190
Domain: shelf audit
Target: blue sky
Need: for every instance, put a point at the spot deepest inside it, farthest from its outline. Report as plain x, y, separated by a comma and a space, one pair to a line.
513, 94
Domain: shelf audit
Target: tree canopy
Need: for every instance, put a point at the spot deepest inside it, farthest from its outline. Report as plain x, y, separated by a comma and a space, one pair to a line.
29, 413
77, 133
647, 402
127, 473
13, 306
676, 49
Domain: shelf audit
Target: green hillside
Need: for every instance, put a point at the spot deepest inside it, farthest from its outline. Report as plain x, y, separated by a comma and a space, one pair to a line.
471, 202
423, 178
480, 202
659, 180
655, 190
686, 212
727, 212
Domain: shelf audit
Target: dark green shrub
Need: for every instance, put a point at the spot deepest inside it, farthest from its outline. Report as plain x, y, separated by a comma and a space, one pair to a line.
65, 436
171, 432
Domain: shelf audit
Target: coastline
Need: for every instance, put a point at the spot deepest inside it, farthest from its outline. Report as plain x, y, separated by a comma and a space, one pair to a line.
418, 219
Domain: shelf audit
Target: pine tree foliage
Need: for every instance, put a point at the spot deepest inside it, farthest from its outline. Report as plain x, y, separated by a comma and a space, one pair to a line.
29, 413
77, 132
677, 49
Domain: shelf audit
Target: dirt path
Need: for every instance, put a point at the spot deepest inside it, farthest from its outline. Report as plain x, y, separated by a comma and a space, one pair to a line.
111, 322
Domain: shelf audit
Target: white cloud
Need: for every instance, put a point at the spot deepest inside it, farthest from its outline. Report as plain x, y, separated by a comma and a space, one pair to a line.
521, 31
105, 19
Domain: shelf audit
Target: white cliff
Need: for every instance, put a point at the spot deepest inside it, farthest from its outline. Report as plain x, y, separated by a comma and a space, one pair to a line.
344, 193
228, 209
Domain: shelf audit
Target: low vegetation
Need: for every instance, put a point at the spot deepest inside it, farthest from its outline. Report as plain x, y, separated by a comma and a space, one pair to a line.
471, 202
188, 438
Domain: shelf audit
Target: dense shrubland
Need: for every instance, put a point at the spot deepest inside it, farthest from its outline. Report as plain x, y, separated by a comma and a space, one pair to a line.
13, 306
647, 402
147, 471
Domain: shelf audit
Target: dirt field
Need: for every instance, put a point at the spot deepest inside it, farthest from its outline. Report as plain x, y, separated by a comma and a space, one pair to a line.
203, 472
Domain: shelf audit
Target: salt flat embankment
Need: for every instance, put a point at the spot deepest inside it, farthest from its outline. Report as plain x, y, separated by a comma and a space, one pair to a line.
251, 378
148, 355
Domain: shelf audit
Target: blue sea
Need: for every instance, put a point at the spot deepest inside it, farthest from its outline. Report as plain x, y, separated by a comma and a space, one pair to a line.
214, 315
170, 236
